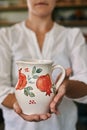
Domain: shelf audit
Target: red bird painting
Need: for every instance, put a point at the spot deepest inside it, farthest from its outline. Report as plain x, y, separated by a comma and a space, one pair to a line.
21, 81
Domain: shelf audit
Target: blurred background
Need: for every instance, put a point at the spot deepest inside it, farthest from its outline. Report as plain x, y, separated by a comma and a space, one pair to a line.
71, 13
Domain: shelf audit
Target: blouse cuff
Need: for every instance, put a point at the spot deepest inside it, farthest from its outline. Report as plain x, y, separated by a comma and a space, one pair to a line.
81, 77
81, 100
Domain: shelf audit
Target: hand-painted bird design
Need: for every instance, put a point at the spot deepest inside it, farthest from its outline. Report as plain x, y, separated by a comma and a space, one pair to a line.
21, 81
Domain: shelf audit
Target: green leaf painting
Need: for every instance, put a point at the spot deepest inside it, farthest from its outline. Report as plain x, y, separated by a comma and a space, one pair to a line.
31, 94
27, 91
39, 70
35, 76
34, 70
31, 80
54, 88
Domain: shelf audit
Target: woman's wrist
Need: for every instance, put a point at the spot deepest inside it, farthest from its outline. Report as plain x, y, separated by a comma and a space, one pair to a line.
66, 85
9, 101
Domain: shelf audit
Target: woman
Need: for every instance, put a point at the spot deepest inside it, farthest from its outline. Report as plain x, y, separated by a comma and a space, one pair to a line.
41, 38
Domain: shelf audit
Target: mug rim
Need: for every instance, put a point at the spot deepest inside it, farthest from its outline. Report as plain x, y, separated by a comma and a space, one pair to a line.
35, 61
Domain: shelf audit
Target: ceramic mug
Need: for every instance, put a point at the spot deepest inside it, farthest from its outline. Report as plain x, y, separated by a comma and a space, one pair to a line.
35, 88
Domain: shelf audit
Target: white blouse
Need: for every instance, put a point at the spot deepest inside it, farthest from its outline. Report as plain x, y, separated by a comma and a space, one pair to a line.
65, 46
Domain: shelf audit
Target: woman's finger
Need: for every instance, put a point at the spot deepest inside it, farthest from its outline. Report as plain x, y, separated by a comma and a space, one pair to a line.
35, 117
57, 99
30, 118
17, 108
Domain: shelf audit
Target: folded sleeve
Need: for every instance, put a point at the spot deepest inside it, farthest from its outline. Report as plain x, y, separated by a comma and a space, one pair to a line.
78, 57
5, 64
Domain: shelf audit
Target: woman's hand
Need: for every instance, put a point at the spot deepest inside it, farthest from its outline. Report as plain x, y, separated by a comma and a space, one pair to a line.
61, 93
33, 117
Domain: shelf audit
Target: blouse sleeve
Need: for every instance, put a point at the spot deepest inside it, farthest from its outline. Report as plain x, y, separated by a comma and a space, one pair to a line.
78, 57
5, 64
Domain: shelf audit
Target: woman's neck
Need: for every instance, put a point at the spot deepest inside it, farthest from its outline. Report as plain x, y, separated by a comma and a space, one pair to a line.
39, 25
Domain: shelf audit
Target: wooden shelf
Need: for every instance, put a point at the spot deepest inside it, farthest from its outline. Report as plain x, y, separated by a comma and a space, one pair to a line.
65, 23
14, 8
63, 5
59, 5
6, 23
71, 5
73, 23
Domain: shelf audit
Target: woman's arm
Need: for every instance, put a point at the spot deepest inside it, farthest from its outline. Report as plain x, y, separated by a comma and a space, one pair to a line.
76, 89
9, 101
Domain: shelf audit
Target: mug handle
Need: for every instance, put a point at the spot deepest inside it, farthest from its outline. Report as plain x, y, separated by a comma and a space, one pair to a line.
62, 75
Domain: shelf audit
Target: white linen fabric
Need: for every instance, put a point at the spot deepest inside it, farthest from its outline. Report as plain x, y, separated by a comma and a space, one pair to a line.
65, 46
